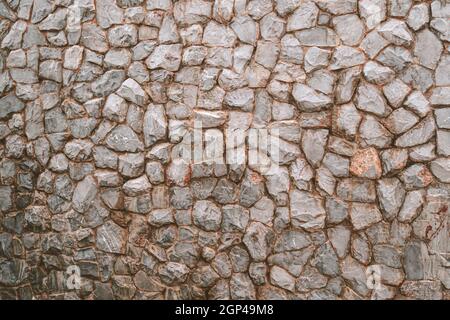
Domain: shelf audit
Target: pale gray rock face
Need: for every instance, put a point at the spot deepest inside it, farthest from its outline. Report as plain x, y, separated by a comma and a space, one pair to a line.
373, 43
396, 32
207, 215
419, 134
391, 194
440, 168
400, 120
167, 57
94, 38
349, 28
257, 240
364, 215
418, 16
370, 99
323, 152
155, 124
313, 145
84, 194
428, 49
347, 119
111, 238
377, 74
317, 36
346, 57
245, 28
304, 17
309, 99
443, 71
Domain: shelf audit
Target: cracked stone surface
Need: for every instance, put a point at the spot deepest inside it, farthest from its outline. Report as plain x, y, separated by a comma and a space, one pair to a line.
99, 100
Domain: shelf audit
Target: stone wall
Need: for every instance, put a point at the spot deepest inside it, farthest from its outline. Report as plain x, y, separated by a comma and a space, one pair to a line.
98, 100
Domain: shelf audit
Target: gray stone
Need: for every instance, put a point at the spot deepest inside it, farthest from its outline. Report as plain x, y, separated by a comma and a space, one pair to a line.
349, 28
395, 57
130, 90
167, 57
173, 272
417, 260
428, 49
109, 82
111, 238
416, 176
241, 287
423, 290
207, 215
155, 124
418, 16
371, 100
396, 32
377, 74
442, 71
123, 36
317, 36
391, 195
326, 260
131, 164
122, 138
307, 210
417, 103
257, 239
440, 168
346, 57
245, 28
191, 12
93, 38
304, 17
346, 84
364, 215
84, 194
373, 43
235, 218
281, 278
419, 134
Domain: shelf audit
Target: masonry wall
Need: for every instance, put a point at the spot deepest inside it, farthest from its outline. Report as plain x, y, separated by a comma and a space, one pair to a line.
100, 197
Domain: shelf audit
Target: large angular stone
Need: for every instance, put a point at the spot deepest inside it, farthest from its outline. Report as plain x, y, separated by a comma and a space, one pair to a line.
365, 163
218, 35
123, 138
258, 239
166, 56
94, 38
313, 145
419, 134
317, 36
155, 124
396, 32
307, 210
303, 17
428, 48
207, 215
111, 238
391, 194
192, 11
364, 215
441, 169
84, 194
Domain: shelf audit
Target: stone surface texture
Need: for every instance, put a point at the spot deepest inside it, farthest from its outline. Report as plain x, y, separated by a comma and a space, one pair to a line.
99, 98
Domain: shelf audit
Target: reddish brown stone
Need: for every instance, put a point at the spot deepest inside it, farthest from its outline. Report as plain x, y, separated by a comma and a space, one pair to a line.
366, 164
